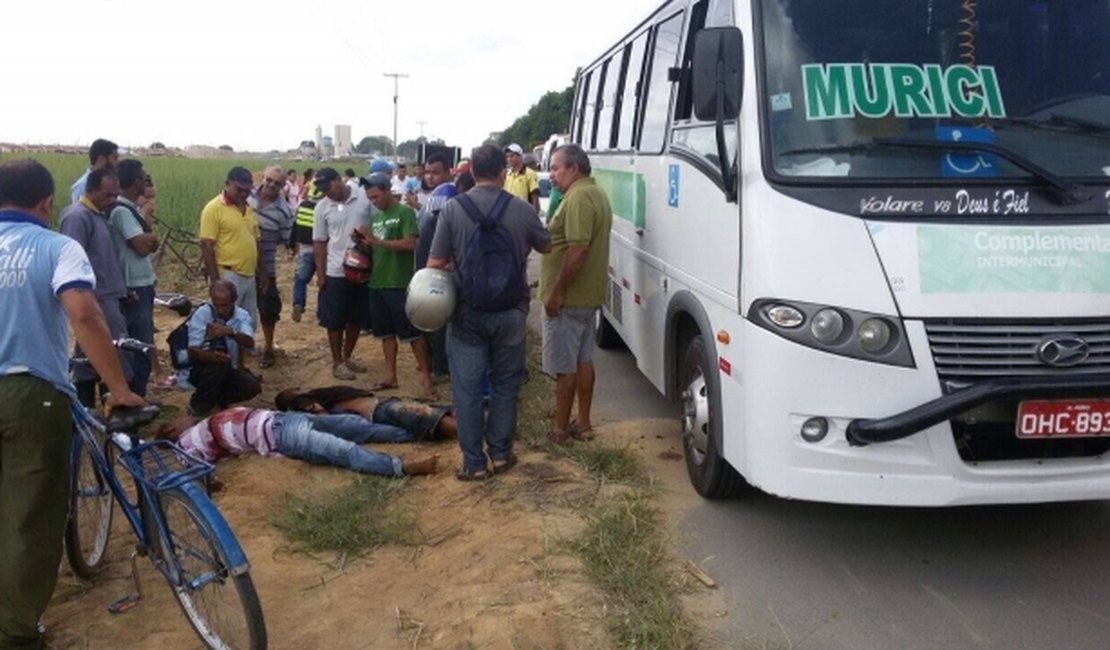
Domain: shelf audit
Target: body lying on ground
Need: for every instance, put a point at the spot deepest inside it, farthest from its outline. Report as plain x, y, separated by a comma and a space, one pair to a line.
423, 420
320, 439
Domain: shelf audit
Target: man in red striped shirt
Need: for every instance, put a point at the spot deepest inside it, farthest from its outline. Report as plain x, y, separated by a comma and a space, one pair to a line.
320, 439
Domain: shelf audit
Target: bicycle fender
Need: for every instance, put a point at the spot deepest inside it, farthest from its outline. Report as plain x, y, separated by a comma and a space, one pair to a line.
234, 556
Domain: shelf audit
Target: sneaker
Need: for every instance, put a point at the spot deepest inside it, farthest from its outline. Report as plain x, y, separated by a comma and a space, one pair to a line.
297, 311
343, 371
356, 365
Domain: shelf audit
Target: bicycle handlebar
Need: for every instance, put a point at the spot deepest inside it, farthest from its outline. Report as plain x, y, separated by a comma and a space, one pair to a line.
128, 344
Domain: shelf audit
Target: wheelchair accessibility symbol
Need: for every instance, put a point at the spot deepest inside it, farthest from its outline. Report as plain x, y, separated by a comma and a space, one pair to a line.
966, 164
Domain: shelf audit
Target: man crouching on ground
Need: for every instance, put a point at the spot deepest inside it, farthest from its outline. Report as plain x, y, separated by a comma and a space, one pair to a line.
319, 439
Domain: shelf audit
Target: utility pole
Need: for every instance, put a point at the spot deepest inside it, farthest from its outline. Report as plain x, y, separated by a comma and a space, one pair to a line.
421, 123
396, 76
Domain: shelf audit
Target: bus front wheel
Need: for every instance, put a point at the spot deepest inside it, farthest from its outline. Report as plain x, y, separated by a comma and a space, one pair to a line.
709, 472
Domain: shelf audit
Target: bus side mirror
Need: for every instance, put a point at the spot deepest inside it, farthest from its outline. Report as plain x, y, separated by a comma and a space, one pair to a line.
718, 77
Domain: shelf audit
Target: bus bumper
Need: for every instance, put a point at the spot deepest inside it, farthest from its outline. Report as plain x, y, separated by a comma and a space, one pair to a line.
917, 419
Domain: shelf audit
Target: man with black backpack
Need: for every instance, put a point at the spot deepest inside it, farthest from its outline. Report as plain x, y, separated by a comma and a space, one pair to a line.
486, 235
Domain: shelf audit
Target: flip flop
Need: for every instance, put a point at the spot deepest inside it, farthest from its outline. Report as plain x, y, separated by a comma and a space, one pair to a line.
507, 463
465, 474
581, 435
381, 385
558, 437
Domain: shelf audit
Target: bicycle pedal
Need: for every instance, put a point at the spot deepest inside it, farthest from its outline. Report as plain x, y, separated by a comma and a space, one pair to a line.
126, 603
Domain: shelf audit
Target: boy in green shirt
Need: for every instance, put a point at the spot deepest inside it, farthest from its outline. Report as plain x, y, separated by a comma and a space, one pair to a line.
390, 240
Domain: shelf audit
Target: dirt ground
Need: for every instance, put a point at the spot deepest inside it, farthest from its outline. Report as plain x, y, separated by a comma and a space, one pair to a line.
493, 570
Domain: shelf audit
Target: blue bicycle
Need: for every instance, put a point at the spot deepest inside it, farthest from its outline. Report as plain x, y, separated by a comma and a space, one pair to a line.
175, 524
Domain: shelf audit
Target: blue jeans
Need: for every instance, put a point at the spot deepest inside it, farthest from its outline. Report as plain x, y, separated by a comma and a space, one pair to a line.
302, 275
140, 325
335, 440
477, 341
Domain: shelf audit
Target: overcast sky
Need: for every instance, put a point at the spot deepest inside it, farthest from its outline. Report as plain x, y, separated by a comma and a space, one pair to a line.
260, 76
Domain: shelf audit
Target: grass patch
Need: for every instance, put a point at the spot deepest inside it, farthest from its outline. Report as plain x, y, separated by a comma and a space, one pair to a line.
353, 519
607, 464
624, 555
536, 399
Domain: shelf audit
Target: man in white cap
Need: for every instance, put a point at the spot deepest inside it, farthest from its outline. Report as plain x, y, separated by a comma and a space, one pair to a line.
521, 181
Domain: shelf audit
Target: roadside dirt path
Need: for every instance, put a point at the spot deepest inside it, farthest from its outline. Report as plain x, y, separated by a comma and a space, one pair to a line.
493, 570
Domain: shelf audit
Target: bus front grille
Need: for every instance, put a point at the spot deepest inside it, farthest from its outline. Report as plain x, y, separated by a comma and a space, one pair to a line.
970, 351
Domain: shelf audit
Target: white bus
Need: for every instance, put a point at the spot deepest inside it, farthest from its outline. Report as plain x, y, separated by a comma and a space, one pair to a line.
866, 244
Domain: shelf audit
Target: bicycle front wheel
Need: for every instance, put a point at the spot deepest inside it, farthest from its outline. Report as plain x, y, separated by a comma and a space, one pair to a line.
90, 512
221, 606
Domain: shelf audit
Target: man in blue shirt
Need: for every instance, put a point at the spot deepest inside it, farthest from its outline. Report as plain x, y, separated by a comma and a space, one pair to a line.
219, 331
102, 153
45, 277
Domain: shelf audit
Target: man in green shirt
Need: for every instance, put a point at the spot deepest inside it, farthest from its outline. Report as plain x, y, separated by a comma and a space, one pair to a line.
572, 286
391, 240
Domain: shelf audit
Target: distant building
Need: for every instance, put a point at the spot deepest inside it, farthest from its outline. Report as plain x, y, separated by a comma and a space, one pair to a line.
319, 138
342, 142
327, 147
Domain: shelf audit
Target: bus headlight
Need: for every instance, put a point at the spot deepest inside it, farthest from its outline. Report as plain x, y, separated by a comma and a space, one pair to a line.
877, 338
785, 316
827, 325
874, 335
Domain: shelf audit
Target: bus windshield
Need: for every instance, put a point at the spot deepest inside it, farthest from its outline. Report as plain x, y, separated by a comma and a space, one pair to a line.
846, 81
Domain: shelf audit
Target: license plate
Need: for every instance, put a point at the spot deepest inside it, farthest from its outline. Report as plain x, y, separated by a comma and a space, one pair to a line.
1074, 418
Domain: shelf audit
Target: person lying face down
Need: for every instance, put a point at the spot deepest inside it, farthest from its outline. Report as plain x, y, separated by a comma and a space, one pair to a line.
423, 421
320, 439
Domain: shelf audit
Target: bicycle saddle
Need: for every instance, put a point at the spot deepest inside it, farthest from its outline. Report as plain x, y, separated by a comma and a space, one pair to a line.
126, 420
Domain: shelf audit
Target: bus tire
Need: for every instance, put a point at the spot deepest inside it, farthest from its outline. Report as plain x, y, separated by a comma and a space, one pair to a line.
605, 335
710, 474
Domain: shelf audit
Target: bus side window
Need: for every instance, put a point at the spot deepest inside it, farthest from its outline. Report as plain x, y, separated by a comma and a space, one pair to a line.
585, 120
633, 81
657, 95
684, 102
606, 102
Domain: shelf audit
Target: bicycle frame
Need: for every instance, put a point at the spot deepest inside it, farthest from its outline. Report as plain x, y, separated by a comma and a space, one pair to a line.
162, 477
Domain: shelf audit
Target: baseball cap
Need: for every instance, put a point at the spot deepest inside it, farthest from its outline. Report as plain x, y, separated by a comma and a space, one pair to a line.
380, 165
377, 179
325, 176
240, 175
515, 148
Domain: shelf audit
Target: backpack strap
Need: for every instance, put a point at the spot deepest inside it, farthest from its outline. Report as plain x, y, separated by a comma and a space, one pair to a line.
135, 213
495, 212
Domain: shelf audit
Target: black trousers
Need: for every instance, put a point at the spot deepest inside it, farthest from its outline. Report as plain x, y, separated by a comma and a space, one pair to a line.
220, 385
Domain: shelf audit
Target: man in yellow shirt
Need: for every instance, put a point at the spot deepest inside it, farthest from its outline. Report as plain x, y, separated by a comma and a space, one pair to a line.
520, 181
229, 241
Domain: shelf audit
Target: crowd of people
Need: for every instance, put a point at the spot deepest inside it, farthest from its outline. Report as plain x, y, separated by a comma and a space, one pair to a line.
362, 239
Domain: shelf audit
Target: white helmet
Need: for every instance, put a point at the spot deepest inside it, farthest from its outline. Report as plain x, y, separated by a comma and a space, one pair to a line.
431, 299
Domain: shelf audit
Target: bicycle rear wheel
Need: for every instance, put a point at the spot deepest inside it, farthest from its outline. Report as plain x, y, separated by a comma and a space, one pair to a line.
222, 608
90, 512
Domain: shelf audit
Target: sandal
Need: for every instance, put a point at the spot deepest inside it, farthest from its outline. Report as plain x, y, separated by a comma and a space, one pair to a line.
558, 437
381, 385
507, 463
581, 435
465, 474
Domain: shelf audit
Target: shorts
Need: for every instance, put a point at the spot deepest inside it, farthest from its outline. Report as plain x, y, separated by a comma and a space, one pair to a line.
269, 304
247, 288
343, 303
568, 339
387, 315
417, 418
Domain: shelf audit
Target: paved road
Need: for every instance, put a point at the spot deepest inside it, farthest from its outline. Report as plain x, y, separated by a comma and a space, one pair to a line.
803, 575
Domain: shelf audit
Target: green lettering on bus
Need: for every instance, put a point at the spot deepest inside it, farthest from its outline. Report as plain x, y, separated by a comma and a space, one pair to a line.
872, 95
827, 92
